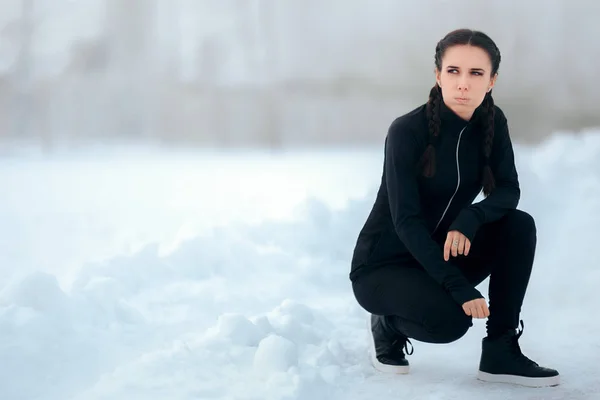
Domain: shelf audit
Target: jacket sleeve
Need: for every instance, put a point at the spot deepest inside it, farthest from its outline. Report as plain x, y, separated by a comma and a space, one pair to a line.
401, 157
503, 198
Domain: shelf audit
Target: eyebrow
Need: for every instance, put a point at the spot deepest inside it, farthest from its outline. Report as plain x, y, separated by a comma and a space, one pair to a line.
472, 69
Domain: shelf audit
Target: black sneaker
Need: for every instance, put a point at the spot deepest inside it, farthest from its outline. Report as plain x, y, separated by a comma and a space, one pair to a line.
387, 353
502, 361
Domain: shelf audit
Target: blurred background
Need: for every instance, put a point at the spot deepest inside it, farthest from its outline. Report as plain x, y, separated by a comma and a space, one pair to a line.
276, 73
185, 180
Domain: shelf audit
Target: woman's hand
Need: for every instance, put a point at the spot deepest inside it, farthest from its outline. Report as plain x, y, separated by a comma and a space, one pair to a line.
476, 308
456, 243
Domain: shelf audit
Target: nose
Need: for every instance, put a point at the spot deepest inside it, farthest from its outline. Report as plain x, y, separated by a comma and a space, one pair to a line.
462, 85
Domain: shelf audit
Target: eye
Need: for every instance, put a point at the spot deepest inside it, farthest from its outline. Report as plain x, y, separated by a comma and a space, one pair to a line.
452, 70
477, 73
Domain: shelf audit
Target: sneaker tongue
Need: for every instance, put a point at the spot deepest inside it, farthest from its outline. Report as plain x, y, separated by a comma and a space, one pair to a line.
515, 349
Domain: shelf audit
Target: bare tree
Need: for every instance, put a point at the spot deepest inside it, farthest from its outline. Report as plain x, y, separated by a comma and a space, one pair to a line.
266, 12
130, 28
22, 72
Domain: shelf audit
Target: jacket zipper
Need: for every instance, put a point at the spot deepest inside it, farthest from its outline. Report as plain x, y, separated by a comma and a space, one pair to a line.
457, 184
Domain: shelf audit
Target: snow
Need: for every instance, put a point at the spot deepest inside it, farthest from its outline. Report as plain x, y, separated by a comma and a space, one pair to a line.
152, 274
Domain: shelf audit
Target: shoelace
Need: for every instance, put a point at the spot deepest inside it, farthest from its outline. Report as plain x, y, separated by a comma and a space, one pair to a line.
405, 347
519, 333
400, 337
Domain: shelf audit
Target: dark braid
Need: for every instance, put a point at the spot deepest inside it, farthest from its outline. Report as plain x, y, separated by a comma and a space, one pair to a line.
487, 120
485, 113
427, 162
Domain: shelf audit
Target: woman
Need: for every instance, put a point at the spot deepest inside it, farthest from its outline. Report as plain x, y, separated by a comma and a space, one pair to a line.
425, 245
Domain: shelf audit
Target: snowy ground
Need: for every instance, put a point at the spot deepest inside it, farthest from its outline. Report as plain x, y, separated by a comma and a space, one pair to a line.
153, 275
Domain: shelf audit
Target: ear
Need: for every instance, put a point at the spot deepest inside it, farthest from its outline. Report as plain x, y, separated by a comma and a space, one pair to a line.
492, 82
438, 77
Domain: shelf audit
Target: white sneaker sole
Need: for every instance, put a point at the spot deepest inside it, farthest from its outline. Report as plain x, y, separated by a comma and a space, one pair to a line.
388, 369
519, 380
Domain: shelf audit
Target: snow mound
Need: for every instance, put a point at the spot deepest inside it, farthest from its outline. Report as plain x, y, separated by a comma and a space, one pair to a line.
265, 310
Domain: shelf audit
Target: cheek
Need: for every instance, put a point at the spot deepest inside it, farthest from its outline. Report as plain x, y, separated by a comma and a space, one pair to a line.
480, 87
447, 80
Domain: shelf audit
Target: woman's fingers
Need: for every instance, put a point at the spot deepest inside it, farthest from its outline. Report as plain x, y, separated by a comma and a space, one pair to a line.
476, 308
448, 245
461, 244
467, 309
456, 243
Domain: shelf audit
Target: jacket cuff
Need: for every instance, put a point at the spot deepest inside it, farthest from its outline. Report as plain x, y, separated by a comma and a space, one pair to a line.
466, 223
466, 294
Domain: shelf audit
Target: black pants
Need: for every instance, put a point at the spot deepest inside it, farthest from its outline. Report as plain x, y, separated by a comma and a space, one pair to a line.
421, 309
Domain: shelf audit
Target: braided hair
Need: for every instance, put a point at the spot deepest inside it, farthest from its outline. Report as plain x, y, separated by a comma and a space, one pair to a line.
484, 115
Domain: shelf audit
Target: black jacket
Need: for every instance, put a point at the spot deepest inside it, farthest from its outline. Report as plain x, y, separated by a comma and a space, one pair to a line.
412, 214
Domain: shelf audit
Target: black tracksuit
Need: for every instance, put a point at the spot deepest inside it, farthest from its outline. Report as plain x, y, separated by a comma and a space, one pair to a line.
398, 267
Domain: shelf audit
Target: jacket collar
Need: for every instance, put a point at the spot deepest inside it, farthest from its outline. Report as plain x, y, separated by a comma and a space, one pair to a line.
454, 124
451, 120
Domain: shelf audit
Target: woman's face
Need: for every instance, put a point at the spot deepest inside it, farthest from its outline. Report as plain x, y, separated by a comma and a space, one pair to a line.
465, 78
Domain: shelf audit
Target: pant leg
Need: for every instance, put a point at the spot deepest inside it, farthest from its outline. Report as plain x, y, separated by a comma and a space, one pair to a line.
416, 304
424, 311
504, 250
